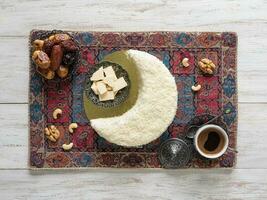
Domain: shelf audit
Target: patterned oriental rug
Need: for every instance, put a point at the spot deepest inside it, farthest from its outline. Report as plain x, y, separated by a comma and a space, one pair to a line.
218, 93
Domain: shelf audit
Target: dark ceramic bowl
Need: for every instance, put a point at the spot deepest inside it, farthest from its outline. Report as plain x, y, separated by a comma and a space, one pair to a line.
120, 97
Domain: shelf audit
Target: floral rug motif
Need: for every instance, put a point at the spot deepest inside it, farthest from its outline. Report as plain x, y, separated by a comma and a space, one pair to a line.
218, 93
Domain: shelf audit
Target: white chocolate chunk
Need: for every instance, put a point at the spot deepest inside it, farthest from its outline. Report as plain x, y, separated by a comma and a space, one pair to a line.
98, 75
109, 72
101, 87
106, 84
109, 81
94, 88
119, 84
109, 95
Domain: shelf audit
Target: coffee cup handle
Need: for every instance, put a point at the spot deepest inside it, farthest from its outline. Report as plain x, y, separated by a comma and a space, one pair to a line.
231, 149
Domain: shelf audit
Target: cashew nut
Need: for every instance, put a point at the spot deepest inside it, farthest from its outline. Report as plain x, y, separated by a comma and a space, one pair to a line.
72, 126
196, 88
185, 62
67, 146
57, 112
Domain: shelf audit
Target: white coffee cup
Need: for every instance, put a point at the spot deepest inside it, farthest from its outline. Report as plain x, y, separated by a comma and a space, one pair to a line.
211, 141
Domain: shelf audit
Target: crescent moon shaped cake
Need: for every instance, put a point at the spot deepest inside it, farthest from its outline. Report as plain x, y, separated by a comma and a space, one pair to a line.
153, 110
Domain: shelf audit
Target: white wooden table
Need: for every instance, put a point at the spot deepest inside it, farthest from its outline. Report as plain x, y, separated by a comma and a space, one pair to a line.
247, 18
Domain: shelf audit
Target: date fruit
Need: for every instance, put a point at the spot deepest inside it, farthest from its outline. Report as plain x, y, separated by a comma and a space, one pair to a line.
47, 47
69, 58
56, 57
60, 37
69, 45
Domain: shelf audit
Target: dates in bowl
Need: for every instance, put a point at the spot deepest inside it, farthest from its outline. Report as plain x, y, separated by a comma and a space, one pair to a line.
54, 54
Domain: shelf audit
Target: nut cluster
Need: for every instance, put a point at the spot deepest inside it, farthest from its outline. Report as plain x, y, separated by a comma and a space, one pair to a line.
207, 66
54, 55
52, 133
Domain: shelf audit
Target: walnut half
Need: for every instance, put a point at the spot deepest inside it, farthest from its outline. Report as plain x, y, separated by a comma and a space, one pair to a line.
41, 59
207, 66
52, 133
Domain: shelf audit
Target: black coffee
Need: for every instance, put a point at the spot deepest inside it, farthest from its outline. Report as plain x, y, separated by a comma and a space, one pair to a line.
212, 142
